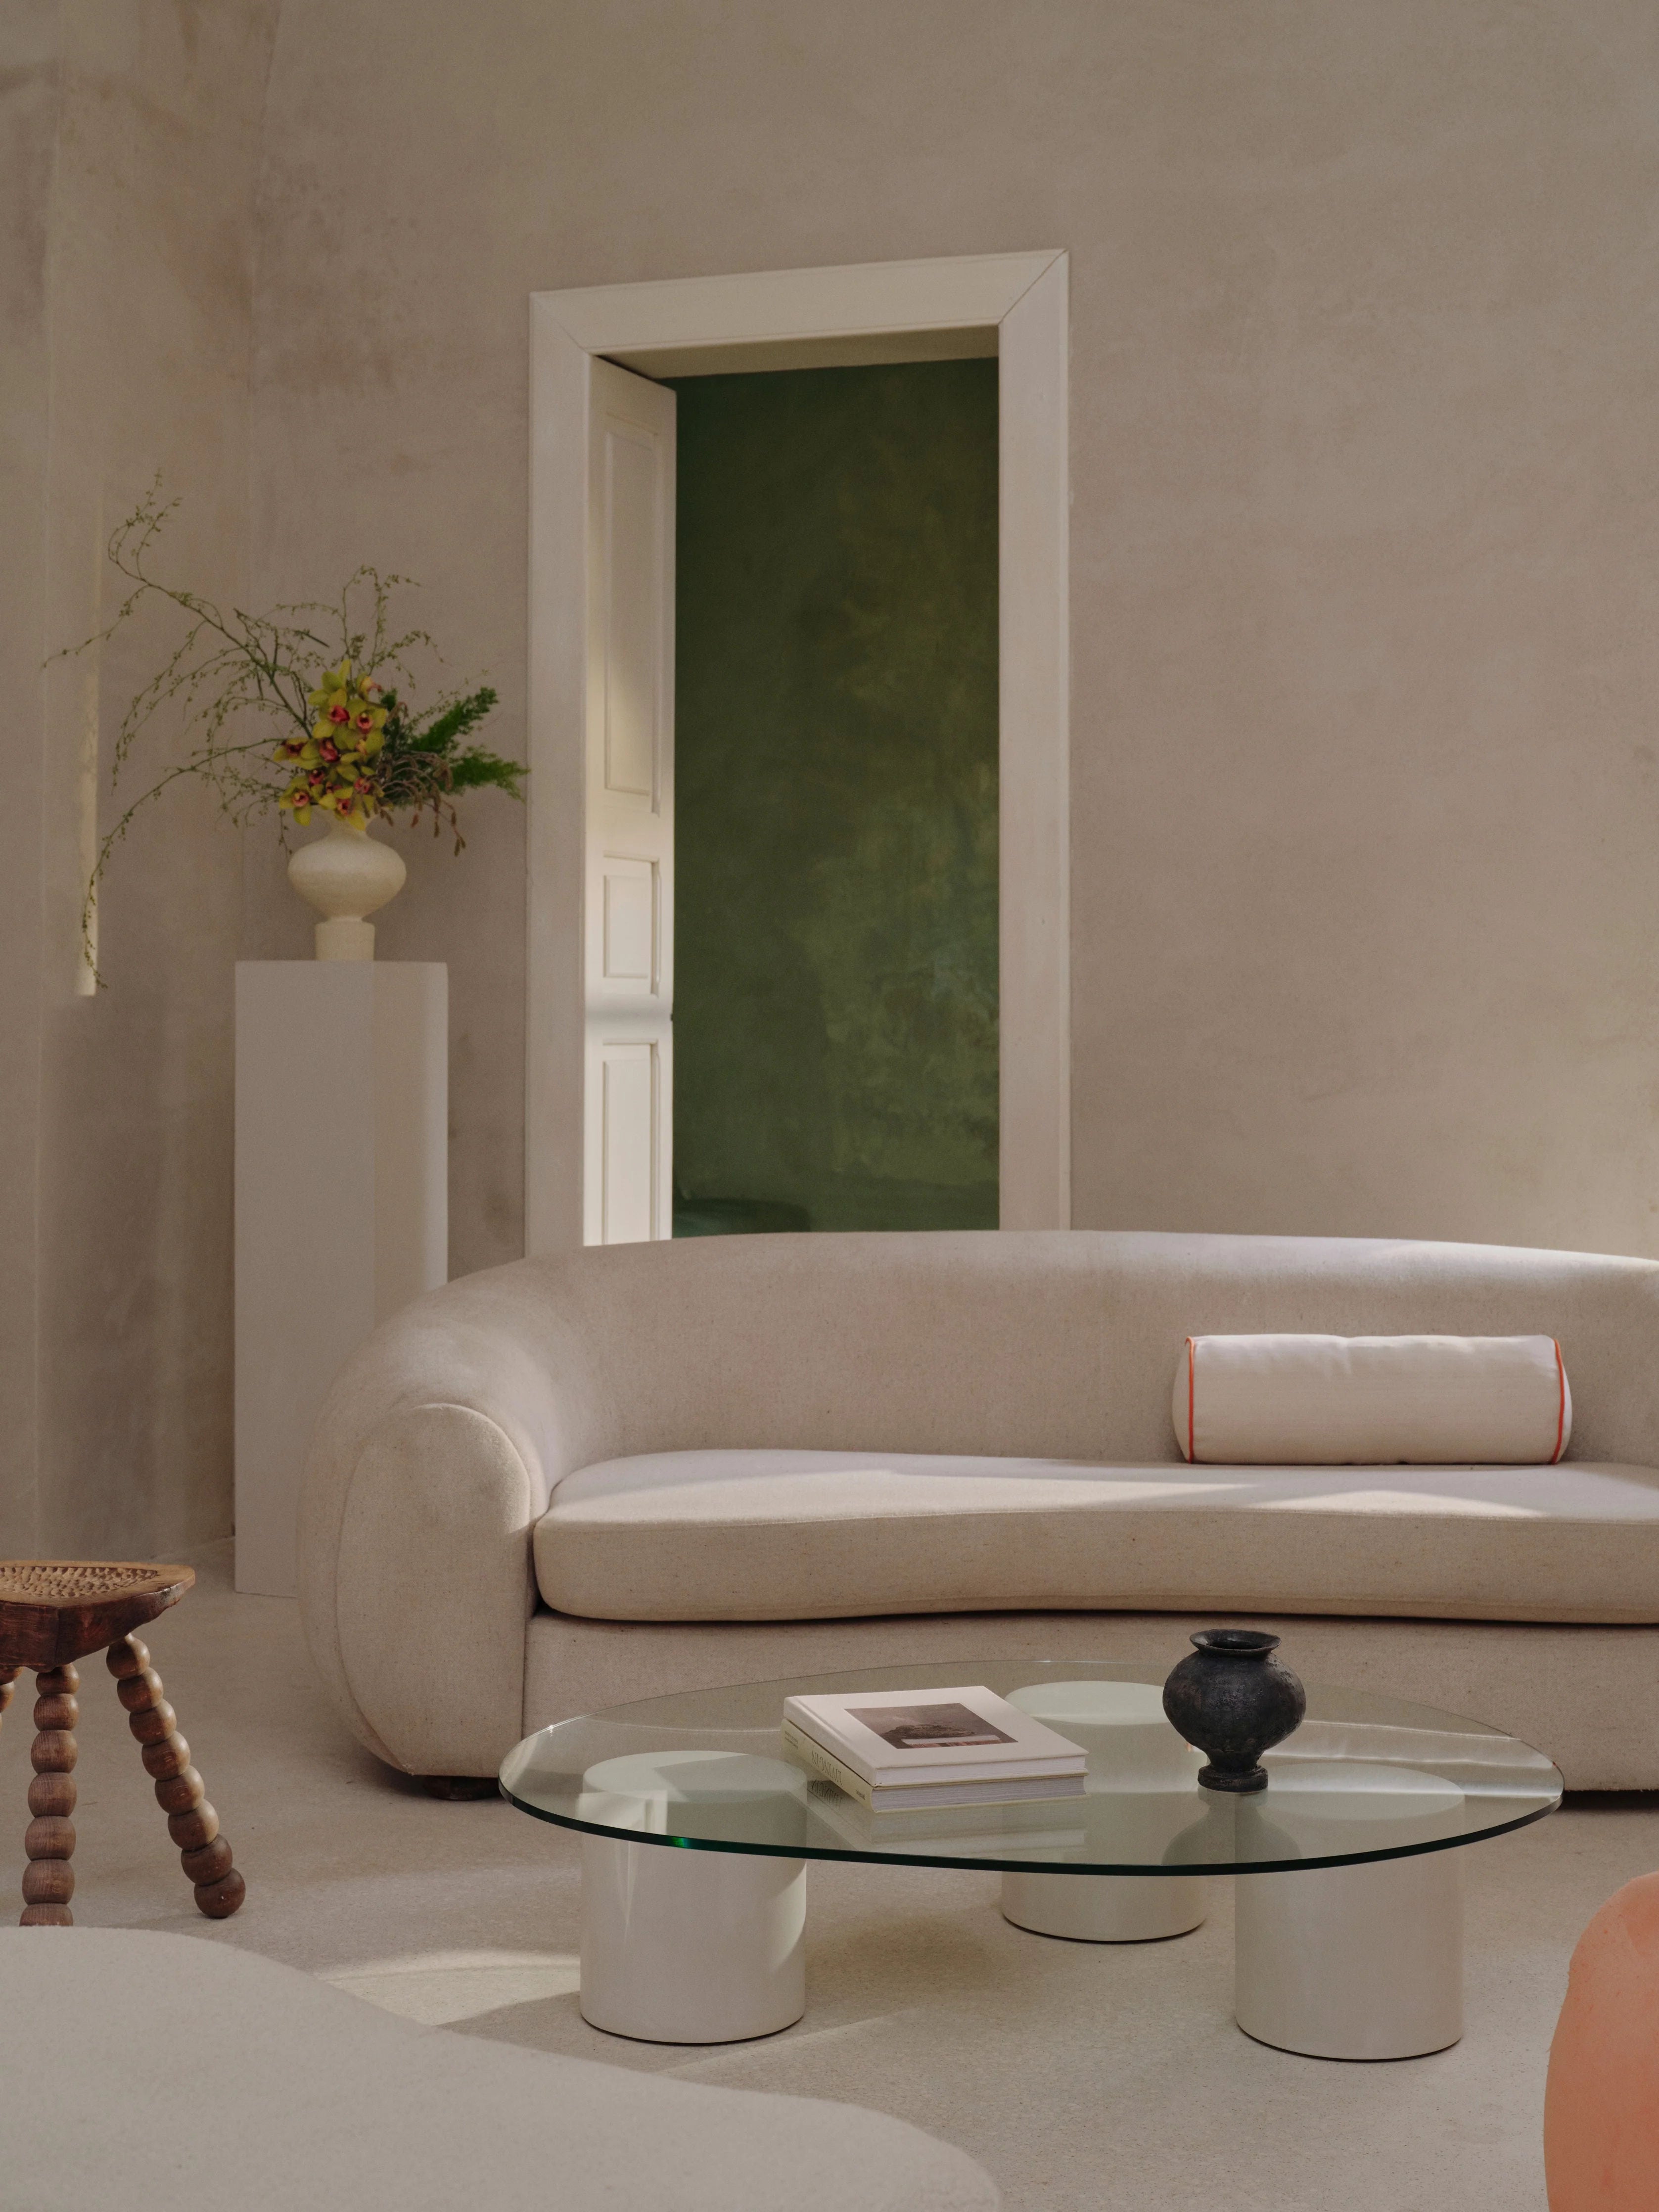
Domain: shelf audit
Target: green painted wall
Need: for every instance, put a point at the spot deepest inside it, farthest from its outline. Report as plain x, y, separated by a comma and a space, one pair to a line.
835, 804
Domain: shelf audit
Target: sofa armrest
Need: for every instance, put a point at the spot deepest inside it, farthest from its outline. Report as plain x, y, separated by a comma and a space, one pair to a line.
433, 1459
434, 1585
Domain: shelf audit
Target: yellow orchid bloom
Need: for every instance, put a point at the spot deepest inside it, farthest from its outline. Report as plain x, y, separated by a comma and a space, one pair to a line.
333, 761
349, 806
334, 679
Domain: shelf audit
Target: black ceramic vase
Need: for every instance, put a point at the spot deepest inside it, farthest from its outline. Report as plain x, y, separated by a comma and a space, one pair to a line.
1233, 1700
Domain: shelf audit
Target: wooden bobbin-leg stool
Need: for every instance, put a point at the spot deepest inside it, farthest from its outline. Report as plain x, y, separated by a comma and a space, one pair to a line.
53, 1612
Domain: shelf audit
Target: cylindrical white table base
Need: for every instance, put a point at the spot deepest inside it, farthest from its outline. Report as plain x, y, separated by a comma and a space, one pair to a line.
690, 1947
1355, 1961
1104, 1908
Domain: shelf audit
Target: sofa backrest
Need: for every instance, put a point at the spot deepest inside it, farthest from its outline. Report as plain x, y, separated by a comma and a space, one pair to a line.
1028, 1341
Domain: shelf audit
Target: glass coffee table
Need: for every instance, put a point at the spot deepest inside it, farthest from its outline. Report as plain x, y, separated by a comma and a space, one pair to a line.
696, 1832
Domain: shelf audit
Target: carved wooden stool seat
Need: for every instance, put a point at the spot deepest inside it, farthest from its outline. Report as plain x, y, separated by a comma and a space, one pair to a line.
53, 1612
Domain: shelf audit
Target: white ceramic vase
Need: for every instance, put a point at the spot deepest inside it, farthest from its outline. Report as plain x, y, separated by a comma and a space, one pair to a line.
346, 876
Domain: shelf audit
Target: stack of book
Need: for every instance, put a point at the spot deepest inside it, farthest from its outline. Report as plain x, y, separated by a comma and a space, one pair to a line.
896, 1750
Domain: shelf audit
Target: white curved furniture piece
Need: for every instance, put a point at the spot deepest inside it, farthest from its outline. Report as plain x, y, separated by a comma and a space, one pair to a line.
568, 1482
204, 2075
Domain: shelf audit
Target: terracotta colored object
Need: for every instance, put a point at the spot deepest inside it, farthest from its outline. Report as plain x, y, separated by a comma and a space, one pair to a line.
53, 1612
1601, 2105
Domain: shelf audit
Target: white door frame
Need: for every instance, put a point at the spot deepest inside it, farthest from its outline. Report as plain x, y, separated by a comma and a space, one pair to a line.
1012, 305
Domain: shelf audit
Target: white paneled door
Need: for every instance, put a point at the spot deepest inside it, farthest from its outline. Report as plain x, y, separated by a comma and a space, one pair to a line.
629, 933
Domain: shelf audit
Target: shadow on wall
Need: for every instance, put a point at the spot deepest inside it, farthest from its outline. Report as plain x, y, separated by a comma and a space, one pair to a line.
835, 904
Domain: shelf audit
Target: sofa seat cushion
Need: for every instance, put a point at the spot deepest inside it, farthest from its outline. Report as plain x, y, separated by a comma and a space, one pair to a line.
814, 1536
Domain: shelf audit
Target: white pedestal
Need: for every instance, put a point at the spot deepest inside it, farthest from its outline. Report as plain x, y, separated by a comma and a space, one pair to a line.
1355, 1961
342, 1204
1105, 1908
691, 1946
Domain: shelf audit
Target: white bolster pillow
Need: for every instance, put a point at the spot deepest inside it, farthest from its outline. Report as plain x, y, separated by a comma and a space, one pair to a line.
1372, 1400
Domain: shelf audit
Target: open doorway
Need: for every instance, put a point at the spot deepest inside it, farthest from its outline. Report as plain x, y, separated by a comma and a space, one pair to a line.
834, 1061
600, 967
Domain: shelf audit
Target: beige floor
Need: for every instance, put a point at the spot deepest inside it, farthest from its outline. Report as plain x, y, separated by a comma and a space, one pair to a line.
1087, 2079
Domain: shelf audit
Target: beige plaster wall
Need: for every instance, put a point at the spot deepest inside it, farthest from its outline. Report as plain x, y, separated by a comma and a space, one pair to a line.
29, 119
129, 131
1365, 443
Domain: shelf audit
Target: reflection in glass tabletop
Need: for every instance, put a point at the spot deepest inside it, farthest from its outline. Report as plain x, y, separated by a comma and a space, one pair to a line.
1364, 1777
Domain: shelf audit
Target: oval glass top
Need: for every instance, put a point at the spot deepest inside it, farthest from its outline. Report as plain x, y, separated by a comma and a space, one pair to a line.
1364, 1777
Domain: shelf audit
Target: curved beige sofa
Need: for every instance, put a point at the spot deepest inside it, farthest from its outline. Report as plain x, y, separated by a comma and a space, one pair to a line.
568, 1482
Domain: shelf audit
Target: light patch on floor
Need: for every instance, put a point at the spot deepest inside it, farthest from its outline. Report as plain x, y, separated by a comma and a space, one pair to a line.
439, 1988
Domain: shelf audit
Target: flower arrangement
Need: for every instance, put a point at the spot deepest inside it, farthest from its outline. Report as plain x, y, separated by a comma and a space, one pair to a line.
334, 763
353, 746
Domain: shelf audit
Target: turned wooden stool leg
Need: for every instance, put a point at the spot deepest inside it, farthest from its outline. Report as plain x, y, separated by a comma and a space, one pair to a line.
192, 1822
49, 1879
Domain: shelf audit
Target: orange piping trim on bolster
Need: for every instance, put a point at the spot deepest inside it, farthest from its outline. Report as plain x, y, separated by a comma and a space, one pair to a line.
1561, 1418
1192, 1357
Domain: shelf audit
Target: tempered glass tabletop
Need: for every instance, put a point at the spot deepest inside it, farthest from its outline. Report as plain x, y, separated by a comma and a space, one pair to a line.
1364, 1777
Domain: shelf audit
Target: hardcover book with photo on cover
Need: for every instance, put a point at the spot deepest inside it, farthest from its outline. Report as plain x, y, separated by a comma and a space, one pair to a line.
919, 1747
